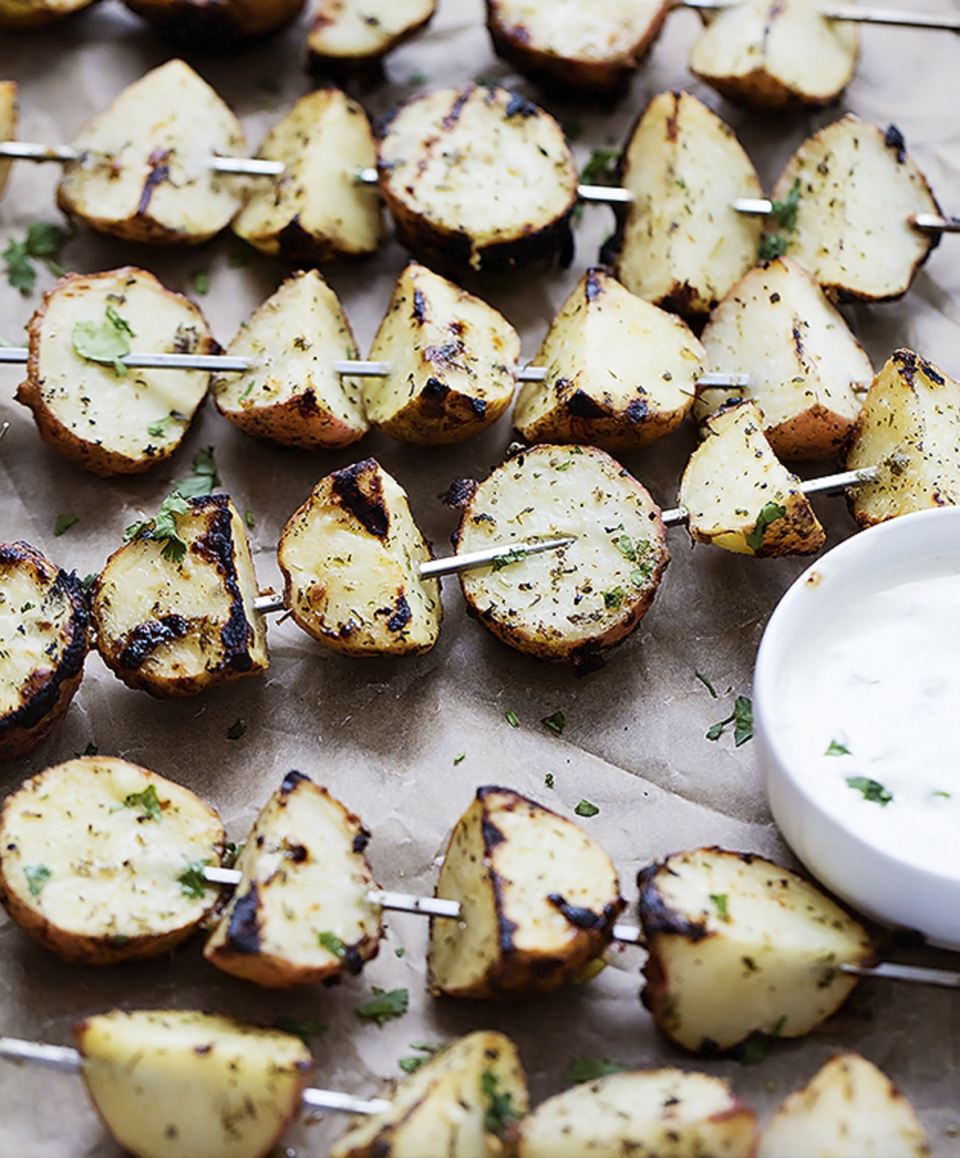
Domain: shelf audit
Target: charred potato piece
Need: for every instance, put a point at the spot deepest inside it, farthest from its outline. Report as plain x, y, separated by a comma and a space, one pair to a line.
316, 210
8, 123
461, 1104
778, 326
292, 395
452, 362
477, 177
31, 13
538, 901
350, 558
211, 22
591, 45
909, 429
144, 172
346, 37
857, 190
174, 620
300, 913
101, 860
849, 1109
43, 645
620, 372
570, 603
738, 945
776, 54
667, 1113
682, 245
172, 1083
99, 414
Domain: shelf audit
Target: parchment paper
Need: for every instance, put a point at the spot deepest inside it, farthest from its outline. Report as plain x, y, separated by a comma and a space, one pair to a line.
384, 735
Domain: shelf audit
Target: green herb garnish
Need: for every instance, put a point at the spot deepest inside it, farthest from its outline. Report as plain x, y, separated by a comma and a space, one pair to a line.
106, 342
37, 876
589, 1069
706, 683
201, 281
163, 528
459, 758
410, 1065
499, 1112
384, 1005
785, 212
601, 169
835, 748
250, 519
612, 600
556, 723
302, 1027
146, 801
332, 943
512, 718
769, 513
64, 523
585, 808
720, 904
43, 242
236, 730
626, 548
192, 881
771, 246
231, 850
756, 1048
548, 780
872, 790
742, 719
514, 555
204, 478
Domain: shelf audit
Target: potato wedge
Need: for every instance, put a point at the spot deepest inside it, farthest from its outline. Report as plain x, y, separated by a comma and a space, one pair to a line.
212, 22
858, 188
682, 245
453, 362
621, 373
478, 177
292, 396
43, 646
738, 494
778, 326
462, 1103
174, 617
8, 122
909, 429
571, 603
538, 900
667, 1113
99, 414
776, 54
300, 913
594, 46
178, 1084
145, 173
738, 945
100, 860
350, 558
849, 1109
316, 210
345, 37
32, 13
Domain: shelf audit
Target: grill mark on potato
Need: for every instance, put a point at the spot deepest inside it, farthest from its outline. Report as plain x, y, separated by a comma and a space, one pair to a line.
159, 172
290, 781
520, 106
580, 917
581, 405
672, 125
593, 285
145, 638
450, 120
243, 934
216, 546
656, 916
401, 616
420, 315
360, 492
896, 141
361, 840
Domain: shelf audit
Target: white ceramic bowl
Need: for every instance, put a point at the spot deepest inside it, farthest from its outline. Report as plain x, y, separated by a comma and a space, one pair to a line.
898, 861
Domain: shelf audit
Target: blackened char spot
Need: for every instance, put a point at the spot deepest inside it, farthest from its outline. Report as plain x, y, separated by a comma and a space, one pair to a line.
419, 307
594, 287
290, 781
460, 492
518, 105
360, 491
243, 936
931, 373
673, 120
895, 140
582, 918
637, 411
145, 638
401, 616
450, 120
435, 390
587, 660
216, 546
656, 916
159, 172
352, 959
492, 836
361, 840
581, 405
297, 853
478, 406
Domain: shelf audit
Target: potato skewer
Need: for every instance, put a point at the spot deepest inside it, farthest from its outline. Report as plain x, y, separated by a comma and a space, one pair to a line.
850, 14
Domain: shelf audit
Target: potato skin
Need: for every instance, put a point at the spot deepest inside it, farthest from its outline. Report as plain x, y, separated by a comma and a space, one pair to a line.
210, 22
37, 13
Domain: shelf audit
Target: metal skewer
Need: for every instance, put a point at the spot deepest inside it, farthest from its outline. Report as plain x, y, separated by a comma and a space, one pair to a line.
929, 222
27, 151
849, 14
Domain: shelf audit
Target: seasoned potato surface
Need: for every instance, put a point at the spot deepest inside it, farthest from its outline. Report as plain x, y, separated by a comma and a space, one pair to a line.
345, 36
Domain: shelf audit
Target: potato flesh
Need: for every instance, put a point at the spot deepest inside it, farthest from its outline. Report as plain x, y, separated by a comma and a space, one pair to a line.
856, 195
583, 596
764, 958
179, 1084
776, 53
343, 29
452, 362
216, 21
440, 1108
732, 477
580, 30
777, 326
316, 210
355, 589
667, 1113
848, 1110
302, 878
909, 429
8, 121
684, 245
114, 886
620, 372
291, 394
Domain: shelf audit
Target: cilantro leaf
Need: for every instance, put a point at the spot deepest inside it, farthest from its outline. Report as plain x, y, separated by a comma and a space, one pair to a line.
302, 1027
204, 478
872, 790
499, 1112
201, 281
771, 246
192, 881
236, 730
64, 523
146, 801
785, 212
756, 1048
585, 808
769, 513
613, 600
720, 904
588, 1069
384, 1005
332, 943
742, 719
512, 718
106, 342
548, 780
706, 683
37, 876
410, 1065
601, 169
556, 723
43, 242
626, 548
514, 555
835, 748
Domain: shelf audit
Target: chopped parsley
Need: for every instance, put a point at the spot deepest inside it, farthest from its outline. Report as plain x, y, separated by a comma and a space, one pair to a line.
250, 519
27, 607
410, 1065
588, 1069
384, 1005
192, 881
231, 850
236, 730
88, 581
613, 600
742, 719
585, 808
514, 555
706, 683
163, 528
626, 548
43, 242
302, 1027
548, 780
332, 943
785, 212
602, 167
106, 342
719, 901
499, 1112
146, 801
872, 790
248, 389
512, 718
556, 723
204, 478
459, 758
756, 1048
161, 427
37, 876
201, 281
399, 952
835, 748
64, 523
771, 246
769, 513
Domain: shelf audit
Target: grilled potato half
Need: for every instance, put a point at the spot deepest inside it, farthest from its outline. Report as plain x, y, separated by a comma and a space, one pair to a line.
30, 13
620, 372
681, 244
849, 1109
99, 413
178, 1083
144, 172
43, 646
909, 429
858, 189
538, 901
350, 558
667, 1113
8, 122
300, 913
738, 945
211, 22
570, 603
316, 210
452, 362
591, 45
176, 616
462, 1103
292, 395
345, 37
101, 860
739, 496
776, 54
478, 177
